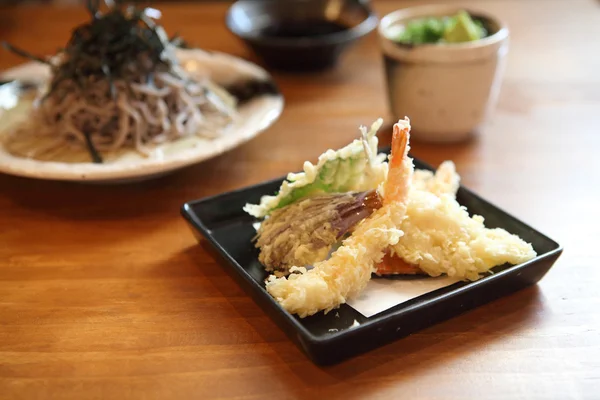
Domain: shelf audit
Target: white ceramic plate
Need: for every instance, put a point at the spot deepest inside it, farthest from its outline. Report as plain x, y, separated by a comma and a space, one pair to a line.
254, 117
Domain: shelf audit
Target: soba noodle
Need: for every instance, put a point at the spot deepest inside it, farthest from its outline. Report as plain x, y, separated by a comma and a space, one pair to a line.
139, 114
118, 85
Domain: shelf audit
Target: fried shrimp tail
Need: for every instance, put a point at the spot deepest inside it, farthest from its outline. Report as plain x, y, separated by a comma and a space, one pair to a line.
349, 269
401, 166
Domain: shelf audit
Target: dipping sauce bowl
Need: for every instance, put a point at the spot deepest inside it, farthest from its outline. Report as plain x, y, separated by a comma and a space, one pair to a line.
300, 35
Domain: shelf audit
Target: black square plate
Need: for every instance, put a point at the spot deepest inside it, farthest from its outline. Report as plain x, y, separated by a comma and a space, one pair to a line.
330, 338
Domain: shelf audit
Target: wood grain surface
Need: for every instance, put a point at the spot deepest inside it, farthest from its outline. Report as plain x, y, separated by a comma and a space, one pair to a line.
104, 293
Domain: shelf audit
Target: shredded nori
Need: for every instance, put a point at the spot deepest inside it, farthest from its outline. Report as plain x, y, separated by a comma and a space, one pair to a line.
96, 157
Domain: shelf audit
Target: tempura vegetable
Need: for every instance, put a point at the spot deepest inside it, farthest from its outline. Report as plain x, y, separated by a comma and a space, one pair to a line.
304, 232
356, 167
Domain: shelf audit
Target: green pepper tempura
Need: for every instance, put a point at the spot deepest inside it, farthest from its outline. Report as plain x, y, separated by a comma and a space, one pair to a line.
452, 29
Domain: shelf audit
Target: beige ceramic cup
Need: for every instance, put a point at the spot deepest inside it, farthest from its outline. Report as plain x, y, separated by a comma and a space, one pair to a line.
447, 90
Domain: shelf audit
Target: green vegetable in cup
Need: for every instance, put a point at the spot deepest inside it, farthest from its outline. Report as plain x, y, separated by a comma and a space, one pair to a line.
451, 29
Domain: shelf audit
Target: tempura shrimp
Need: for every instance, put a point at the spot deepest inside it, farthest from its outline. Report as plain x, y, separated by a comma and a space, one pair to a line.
445, 180
349, 269
442, 238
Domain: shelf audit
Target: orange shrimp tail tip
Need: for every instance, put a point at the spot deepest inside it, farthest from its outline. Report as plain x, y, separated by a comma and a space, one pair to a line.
400, 165
400, 139
394, 265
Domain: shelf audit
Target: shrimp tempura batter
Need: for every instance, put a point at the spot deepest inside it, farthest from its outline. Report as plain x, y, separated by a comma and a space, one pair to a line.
440, 237
349, 269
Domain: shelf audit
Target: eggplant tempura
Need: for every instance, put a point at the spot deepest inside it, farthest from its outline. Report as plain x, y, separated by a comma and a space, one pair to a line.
386, 219
305, 231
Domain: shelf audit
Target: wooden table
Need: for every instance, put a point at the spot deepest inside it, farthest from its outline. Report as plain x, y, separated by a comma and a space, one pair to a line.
104, 292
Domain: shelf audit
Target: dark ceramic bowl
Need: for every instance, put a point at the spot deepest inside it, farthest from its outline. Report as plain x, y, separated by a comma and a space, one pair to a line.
300, 35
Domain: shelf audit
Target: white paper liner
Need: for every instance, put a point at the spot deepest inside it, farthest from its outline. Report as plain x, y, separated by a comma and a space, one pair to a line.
383, 294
